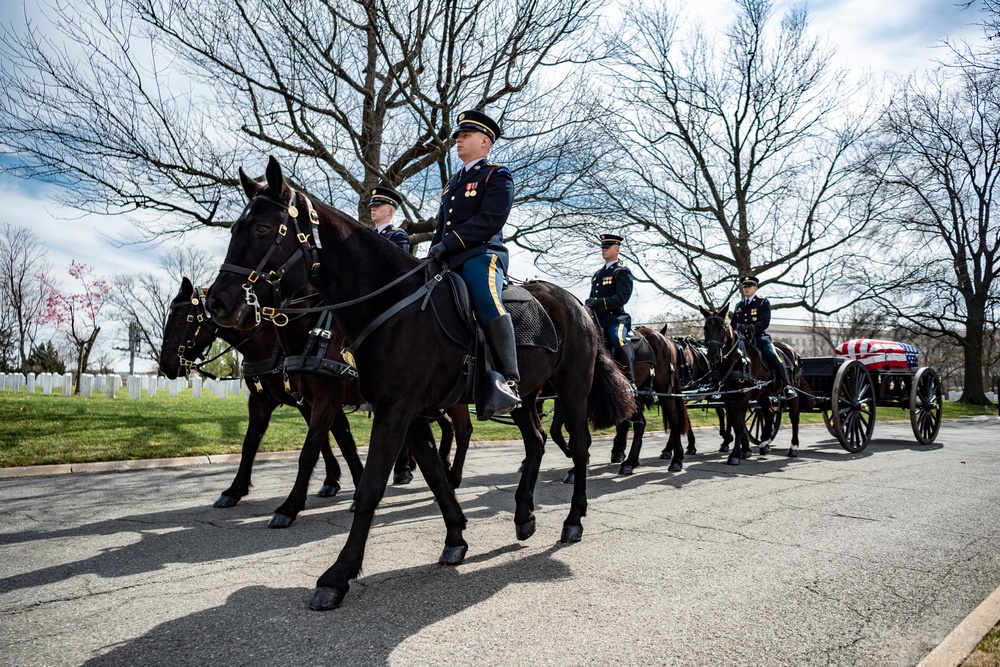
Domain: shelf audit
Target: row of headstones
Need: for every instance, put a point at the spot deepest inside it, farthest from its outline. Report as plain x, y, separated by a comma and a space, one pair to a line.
955, 395
110, 384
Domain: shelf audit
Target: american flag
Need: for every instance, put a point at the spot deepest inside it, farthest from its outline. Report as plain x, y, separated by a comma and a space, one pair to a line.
879, 354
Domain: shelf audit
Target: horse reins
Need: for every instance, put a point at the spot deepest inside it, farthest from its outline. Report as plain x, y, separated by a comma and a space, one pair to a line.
308, 252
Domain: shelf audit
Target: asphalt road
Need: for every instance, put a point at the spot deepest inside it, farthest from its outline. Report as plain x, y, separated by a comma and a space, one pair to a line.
828, 559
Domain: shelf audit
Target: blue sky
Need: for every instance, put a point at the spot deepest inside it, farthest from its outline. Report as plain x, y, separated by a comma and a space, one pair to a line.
895, 36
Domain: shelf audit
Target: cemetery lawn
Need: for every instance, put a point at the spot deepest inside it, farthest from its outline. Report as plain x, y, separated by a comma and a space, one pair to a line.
38, 430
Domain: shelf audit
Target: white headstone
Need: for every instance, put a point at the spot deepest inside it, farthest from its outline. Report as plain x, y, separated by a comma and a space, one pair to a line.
99, 383
67, 384
134, 386
196, 387
109, 386
154, 385
46, 383
174, 386
86, 385
31, 383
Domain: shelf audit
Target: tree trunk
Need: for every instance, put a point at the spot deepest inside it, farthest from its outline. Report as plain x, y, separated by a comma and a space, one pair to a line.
974, 391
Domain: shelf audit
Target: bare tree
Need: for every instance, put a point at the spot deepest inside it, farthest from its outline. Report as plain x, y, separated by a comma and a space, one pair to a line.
24, 267
938, 274
145, 298
729, 157
151, 104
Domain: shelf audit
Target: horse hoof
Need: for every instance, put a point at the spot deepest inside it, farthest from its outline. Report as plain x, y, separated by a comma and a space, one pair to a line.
326, 598
328, 490
793, 452
354, 506
617, 457
571, 534
404, 477
746, 453
225, 502
666, 454
675, 467
733, 461
570, 478
525, 530
724, 448
453, 555
765, 450
520, 468
280, 521
625, 470
690, 451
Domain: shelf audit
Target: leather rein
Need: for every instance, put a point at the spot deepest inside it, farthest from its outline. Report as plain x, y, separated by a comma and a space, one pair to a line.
308, 252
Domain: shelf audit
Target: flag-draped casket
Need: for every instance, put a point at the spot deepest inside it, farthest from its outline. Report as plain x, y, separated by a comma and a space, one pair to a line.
879, 354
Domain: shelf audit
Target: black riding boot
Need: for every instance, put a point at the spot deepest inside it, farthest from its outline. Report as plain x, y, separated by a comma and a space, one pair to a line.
500, 337
787, 389
625, 356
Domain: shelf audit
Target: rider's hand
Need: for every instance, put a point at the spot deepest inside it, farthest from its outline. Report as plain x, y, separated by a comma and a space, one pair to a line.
592, 303
437, 251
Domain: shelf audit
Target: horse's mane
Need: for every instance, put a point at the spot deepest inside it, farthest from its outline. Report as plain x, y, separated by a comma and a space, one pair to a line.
373, 254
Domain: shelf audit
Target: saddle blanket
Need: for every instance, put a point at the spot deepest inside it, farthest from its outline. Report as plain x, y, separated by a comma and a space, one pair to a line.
879, 354
532, 325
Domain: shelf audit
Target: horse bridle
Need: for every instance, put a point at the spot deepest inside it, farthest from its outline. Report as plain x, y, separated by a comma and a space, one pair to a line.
307, 250
194, 320
736, 338
309, 253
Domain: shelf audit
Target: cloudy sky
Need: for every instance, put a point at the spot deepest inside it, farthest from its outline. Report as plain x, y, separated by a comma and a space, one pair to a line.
885, 36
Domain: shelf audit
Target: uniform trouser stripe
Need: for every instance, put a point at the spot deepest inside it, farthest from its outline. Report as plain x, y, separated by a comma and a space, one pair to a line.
493, 285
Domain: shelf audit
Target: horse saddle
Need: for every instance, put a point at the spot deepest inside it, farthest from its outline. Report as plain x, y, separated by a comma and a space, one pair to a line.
452, 307
643, 351
532, 325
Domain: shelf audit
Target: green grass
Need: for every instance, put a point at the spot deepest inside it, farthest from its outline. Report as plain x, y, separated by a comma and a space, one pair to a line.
37, 429
987, 652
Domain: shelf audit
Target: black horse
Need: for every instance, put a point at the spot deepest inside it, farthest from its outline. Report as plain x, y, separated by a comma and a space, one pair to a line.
665, 386
694, 358
741, 375
658, 382
407, 361
189, 332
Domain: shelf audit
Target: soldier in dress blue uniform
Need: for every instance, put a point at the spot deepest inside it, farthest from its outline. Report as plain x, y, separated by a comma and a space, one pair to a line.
610, 290
752, 316
469, 236
383, 203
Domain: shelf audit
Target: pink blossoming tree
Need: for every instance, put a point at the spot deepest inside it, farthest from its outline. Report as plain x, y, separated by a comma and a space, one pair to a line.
77, 314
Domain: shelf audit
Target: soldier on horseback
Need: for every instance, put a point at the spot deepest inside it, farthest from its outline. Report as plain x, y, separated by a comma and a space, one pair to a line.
469, 235
751, 317
383, 204
610, 290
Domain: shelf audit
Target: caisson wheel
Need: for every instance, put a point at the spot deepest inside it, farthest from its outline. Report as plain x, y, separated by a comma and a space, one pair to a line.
853, 405
926, 401
754, 423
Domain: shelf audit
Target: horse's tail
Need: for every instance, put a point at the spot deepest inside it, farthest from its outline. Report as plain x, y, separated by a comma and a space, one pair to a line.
610, 401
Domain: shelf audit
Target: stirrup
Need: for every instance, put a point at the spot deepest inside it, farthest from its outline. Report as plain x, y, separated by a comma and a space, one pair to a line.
789, 391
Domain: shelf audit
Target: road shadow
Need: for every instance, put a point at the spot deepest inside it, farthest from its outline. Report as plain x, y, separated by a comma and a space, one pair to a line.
262, 625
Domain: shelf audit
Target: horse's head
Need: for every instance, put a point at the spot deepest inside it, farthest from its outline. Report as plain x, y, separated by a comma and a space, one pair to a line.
718, 333
270, 252
188, 331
